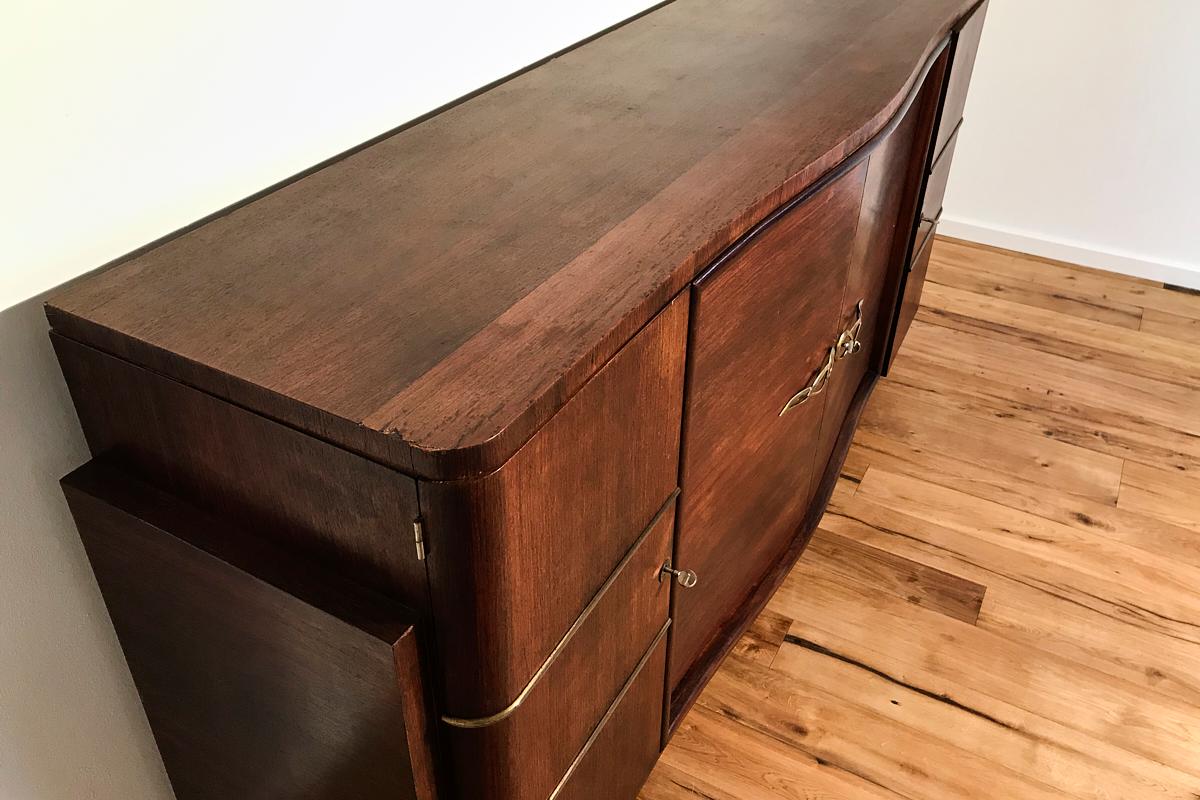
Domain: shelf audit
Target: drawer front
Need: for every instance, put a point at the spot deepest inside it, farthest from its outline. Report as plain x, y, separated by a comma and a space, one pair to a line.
764, 322
514, 557
622, 750
262, 675
526, 753
913, 285
935, 185
966, 47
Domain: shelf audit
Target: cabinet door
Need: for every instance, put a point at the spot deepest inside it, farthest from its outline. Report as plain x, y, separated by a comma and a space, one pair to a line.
764, 320
893, 183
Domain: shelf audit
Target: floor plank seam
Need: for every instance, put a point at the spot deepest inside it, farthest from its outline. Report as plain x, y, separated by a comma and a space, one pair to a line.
996, 601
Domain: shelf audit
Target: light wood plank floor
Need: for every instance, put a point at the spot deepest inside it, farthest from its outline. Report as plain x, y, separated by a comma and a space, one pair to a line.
1003, 600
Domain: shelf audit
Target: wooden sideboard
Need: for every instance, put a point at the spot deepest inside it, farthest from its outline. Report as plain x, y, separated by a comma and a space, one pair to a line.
454, 466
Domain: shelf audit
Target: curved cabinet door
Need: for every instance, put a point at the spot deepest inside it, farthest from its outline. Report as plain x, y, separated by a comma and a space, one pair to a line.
764, 321
895, 172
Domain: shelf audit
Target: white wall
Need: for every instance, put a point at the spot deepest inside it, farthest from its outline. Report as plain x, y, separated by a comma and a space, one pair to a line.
1080, 136
123, 121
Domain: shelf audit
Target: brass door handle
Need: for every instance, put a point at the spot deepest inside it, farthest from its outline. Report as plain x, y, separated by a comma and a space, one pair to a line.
815, 386
847, 344
684, 577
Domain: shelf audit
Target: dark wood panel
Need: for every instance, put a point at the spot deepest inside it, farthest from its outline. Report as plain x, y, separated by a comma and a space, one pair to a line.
524, 756
354, 514
763, 323
966, 48
939, 178
262, 675
514, 557
926, 108
874, 273
431, 300
501, 301
624, 750
914, 283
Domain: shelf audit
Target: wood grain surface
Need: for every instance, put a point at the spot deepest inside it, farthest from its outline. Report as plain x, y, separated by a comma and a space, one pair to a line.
1000, 601
523, 756
748, 470
353, 514
263, 675
432, 299
515, 557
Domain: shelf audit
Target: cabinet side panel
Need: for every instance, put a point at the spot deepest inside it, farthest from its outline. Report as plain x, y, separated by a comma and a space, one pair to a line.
352, 513
252, 692
514, 557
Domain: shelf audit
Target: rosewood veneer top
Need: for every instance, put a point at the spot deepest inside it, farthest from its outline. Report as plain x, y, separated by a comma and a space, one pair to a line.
431, 299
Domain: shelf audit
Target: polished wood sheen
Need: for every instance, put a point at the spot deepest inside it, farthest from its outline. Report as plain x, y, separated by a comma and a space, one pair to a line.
958, 627
431, 300
514, 557
748, 468
965, 47
624, 749
551, 387
914, 283
578, 688
872, 278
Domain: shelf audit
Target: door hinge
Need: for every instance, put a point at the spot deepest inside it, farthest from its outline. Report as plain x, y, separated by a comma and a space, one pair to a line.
419, 538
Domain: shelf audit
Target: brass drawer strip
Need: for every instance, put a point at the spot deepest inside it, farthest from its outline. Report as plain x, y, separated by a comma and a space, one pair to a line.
612, 709
483, 722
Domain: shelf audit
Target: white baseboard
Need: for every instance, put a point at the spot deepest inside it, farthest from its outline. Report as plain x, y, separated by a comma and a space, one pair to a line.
1126, 264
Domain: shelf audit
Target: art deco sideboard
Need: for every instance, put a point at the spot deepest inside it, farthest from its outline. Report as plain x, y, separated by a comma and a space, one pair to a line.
454, 466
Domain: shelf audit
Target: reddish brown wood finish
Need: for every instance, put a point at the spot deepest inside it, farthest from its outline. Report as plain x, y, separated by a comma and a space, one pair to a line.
686, 692
930, 186
876, 269
514, 557
431, 300
352, 513
524, 756
503, 300
763, 324
263, 676
624, 750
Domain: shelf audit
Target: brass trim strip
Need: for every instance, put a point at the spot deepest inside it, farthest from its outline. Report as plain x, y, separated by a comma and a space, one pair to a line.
612, 709
483, 722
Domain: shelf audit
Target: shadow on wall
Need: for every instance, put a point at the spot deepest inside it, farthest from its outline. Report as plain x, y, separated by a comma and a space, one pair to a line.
71, 726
